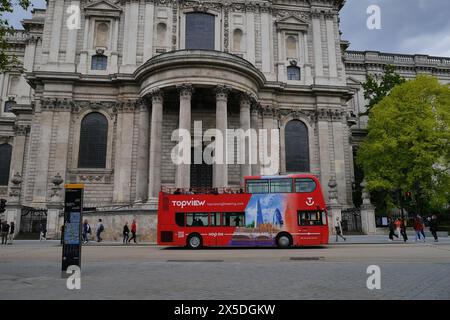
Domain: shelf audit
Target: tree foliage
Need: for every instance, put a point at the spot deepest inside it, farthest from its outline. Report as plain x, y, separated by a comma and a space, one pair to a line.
5, 29
378, 87
408, 143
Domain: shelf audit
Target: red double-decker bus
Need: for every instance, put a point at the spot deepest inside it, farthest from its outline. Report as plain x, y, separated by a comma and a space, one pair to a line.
278, 211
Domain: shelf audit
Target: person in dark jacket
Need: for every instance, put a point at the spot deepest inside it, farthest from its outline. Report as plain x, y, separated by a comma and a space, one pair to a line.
133, 231
434, 227
392, 229
126, 233
86, 231
403, 229
5, 232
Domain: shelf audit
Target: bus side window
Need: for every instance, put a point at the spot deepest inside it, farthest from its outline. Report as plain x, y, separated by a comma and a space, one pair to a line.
234, 219
179, 219
304, 185
257, 186
311, 218
196, 219
214, 219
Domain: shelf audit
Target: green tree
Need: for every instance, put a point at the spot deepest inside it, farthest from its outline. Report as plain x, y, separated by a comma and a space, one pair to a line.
378, 87
5, 29
407, 148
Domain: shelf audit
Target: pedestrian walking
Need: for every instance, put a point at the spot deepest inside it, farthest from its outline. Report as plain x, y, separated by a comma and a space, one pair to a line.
100, 228
418, 227
5, 232
398, 224
126, 233
392, 229
434, 227
12, 229
133, 231
86, 231
338, 227
403, 229
42, 232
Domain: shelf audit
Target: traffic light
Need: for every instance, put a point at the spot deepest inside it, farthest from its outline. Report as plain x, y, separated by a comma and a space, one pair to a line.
408, 194
2, 205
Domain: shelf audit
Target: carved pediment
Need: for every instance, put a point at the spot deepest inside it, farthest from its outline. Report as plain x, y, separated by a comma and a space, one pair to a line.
103, 8
292, 22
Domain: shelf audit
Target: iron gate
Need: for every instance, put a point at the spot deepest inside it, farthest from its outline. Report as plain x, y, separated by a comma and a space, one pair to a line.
31, 222
351, 220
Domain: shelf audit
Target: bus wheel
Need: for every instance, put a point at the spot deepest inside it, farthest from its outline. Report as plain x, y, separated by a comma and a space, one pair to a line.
194, 241
284, 241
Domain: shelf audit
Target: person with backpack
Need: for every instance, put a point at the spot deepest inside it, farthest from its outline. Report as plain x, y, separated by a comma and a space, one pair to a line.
100, 228
86, 231
126, 233
133, 231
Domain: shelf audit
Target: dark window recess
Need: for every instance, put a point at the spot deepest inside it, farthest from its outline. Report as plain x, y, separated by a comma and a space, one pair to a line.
297, 147
200, 31
166, 236
197, 219
293, 73
93, 141
179, 219
9, 105
99, 62
5, 163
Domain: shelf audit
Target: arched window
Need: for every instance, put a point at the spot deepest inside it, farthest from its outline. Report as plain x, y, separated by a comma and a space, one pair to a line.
293, 73
93, 141
9, 105
296, 147
5, 163
102, 35
99, 62
161, 34
237, 40
200, 31
291, 47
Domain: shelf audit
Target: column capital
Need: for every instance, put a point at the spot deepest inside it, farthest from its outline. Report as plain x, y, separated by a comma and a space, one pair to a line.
222, 92
157, 95
186, 90
126, 106
248, 99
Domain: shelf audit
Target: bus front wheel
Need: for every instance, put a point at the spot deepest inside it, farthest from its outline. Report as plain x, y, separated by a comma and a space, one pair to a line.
194, 241
284, 240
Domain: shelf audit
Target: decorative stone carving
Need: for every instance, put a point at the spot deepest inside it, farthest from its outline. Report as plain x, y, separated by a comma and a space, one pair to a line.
226, 27
56, 104
126, 106
157, 95
332, 192
14, 190
21, 130
55, 194
365, 193
109, 106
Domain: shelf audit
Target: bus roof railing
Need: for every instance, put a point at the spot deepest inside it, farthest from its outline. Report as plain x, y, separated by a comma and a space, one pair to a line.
202, 190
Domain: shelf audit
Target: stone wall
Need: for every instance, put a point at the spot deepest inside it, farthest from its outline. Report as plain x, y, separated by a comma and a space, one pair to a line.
114, 221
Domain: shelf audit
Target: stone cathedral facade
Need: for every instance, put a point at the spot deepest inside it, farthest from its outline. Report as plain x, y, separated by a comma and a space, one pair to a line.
97, 103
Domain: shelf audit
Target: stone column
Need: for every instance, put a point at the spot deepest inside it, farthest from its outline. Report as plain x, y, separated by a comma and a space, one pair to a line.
334, 207
368, 224
317, 42
142, 151
244, 147
221, 168
18, 151
43, 152
324, 149
56, 29
124, 151
254, 146
183, 174
155, 146
331, 45
71, 47
269, 151
54, 207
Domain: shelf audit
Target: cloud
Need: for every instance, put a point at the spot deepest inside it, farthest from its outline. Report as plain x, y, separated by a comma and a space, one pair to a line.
408, 26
